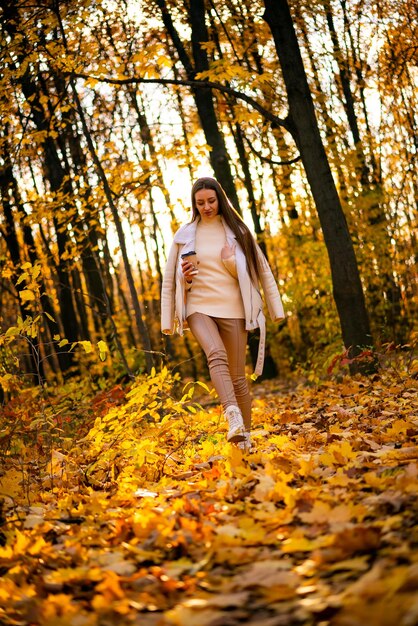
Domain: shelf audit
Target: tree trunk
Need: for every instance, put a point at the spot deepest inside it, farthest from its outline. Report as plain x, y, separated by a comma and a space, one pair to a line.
329, 124
80, 305
359, 64
10, 236
89, 240
393, 303
347, 288
55, 174
347, 99
148, 143
375, 214
56, 177
11, 194
142, 329
218, 154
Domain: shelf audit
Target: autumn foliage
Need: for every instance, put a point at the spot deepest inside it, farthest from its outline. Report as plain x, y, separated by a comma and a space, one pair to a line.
134, 509
120, 500
103, 131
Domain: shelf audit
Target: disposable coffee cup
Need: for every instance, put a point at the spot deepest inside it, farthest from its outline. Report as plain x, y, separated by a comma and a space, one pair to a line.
191, 257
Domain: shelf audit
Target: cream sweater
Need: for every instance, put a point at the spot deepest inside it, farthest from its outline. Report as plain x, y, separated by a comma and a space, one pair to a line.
214, 291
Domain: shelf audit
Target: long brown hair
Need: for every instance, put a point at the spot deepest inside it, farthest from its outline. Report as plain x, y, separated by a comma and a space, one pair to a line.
234, 221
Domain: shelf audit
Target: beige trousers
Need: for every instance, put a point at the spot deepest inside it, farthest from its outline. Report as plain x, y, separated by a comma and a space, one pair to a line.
224, 342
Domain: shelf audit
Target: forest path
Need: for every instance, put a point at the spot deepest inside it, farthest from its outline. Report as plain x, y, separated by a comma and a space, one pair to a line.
317, 525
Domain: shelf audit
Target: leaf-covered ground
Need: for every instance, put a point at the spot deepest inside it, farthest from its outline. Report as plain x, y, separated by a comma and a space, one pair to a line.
146, 516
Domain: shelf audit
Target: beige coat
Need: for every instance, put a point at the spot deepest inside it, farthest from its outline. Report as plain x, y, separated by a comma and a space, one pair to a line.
173, 294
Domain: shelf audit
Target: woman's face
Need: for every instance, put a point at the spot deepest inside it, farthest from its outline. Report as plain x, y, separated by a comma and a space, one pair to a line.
207, 204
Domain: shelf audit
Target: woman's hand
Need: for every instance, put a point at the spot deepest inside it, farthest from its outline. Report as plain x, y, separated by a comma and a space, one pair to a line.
228, 251
189, 270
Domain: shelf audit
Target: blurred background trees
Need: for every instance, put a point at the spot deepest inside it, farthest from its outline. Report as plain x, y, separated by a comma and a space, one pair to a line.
95, 176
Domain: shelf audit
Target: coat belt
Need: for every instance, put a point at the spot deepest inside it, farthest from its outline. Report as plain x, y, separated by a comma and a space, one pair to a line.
261, 346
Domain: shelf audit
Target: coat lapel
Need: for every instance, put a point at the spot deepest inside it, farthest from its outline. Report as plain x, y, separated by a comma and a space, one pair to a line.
186, 234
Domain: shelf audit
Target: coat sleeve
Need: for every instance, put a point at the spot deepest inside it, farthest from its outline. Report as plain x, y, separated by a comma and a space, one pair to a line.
168, 292
270, 289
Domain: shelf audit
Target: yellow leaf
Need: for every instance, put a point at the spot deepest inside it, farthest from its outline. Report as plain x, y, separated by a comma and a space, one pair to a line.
12, 331
306, 466
110, 586
10, 483
21, 543
297, 544
86, 345
398, 427
27, 295
22, 277
55, 606
38, 546
7, 273
103, 349
338, 454
319, 514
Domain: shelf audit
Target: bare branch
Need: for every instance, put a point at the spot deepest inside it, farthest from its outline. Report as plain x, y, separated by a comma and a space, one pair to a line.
194, 84
267, 159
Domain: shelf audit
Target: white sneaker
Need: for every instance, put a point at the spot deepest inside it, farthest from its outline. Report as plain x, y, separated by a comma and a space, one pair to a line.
245, 445
236, 425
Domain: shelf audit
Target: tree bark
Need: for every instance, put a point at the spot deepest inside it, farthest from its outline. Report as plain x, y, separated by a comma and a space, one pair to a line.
34, 365
142, 329
347, 288
348, 98
329, 124
11, 197
218, 155
56, 176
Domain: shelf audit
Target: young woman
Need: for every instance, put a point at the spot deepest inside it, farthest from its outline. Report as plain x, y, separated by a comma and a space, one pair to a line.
214, 291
